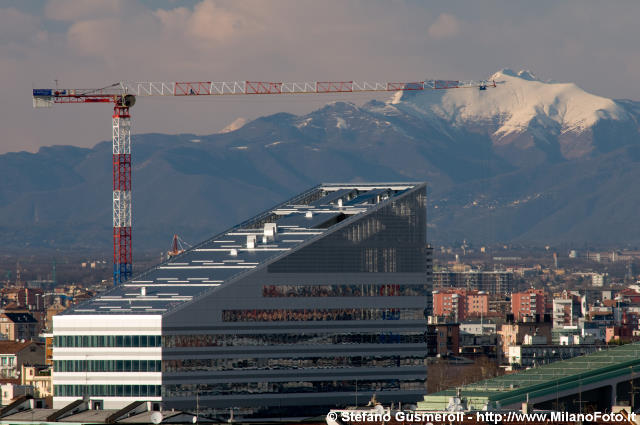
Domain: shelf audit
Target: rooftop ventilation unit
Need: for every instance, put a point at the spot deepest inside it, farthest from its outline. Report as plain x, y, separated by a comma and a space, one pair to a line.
251, 241
309, 214
270, 230
233, 252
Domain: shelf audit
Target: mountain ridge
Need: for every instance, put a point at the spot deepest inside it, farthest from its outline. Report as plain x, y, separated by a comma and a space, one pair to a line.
561, 174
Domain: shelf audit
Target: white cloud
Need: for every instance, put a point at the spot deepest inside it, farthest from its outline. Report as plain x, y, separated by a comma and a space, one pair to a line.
445, 26
17, 26
209, 21
73, 10
95, 37
94, 43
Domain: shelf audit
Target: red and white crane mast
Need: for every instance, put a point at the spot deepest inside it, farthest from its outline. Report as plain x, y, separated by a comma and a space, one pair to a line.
122, 254
123, 96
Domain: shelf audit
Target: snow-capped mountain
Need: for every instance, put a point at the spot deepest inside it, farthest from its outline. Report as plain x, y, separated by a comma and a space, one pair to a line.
519, 103
528, 160
525, 113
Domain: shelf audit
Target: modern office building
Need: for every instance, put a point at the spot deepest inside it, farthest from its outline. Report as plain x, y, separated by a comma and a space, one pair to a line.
320, 301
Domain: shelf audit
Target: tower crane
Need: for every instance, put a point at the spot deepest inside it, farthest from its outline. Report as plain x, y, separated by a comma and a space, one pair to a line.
123, 96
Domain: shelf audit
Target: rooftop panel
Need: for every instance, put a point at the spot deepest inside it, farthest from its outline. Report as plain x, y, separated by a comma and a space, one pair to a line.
241, 249
308, 220
333, 197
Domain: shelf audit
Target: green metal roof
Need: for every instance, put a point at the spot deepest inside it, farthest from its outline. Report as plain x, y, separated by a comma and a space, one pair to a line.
542, 380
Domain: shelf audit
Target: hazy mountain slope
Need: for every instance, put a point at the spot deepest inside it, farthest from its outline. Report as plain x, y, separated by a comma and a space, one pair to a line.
527, 161
593, 200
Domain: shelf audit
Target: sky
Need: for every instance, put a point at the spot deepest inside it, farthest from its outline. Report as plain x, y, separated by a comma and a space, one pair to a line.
93, 43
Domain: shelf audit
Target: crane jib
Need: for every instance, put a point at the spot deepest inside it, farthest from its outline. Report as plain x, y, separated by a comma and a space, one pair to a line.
123, 95
212, 88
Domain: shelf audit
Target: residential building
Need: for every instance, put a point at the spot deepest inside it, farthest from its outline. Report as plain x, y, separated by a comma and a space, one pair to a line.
528, 303
565, 334
477, 304
491, 282
459, 304
445, 338
38, 377
13, 354
51, 311
9, 391
17, 326
28, 298
499, 305
310, 304
514, 333
562, 312
478, 339
598, 279
477, 327
620, 333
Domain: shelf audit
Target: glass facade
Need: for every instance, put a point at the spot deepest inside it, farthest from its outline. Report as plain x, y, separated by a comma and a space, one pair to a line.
253, 340
316, 314
377, 386
107, 390
363, 290
289, 307
391, 239
107, 366
208, 365
107, 341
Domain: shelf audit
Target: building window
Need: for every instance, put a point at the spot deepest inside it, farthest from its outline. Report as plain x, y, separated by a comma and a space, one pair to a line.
218, 365
107, 365
107, 390
363, 290
313, 315
240, 340
143, 341
191, 390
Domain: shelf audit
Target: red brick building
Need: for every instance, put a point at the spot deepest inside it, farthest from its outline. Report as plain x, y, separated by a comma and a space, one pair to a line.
460, 304
528, 303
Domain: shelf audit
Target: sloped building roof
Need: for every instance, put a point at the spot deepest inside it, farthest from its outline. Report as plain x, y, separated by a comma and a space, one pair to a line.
13, 347
242, 249
20, 317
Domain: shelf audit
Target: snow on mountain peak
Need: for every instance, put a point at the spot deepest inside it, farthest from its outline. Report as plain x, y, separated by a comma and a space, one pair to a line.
525, 74
235, 125
519, 102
